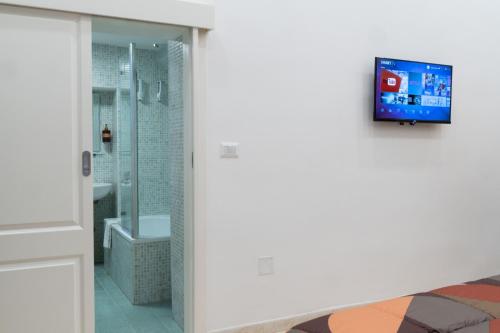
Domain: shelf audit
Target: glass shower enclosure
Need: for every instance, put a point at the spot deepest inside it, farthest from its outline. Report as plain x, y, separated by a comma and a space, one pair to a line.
128, 201
147, 143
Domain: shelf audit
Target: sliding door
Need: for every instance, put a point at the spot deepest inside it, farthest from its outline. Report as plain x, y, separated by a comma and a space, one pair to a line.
46, 263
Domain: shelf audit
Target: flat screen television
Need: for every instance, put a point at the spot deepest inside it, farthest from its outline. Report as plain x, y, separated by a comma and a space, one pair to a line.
411, 91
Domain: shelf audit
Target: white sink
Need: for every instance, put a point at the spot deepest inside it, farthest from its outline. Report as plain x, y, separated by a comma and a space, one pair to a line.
101, 190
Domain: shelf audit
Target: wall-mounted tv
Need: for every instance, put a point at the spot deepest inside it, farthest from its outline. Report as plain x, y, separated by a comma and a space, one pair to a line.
411, 91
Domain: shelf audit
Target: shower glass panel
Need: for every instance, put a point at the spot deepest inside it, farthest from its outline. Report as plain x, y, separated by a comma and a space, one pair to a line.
143, 139
127, 143
152, 141
134, 209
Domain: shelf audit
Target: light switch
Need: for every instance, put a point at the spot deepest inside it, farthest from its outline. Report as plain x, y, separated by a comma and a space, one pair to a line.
265, 265
229, 149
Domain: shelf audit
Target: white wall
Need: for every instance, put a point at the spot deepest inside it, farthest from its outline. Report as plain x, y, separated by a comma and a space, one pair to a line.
351, 210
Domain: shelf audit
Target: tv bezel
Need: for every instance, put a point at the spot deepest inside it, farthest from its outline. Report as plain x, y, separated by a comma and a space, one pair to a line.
411, 121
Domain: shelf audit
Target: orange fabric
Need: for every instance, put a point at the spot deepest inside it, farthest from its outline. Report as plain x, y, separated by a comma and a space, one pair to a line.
382, 317
397, 306
473, 291
495, 326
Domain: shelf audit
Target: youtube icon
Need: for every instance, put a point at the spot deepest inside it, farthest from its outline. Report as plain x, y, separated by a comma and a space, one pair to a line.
390, 82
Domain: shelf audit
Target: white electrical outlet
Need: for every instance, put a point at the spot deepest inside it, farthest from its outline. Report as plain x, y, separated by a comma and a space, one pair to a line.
265, 265
229, 149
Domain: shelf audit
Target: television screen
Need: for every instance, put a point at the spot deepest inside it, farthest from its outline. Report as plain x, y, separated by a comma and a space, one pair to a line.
410, 91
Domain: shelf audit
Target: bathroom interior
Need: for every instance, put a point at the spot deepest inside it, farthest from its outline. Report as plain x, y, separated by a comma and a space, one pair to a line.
138, 172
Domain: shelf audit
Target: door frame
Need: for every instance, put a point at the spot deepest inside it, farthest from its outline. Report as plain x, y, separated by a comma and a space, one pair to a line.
194, 179
195, 206
194, 98
200, 18
176, 12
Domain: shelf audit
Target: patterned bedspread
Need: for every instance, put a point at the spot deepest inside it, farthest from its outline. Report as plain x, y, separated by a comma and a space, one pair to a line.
473, 307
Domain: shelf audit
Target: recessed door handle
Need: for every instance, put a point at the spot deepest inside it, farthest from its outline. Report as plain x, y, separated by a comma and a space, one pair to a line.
86, 163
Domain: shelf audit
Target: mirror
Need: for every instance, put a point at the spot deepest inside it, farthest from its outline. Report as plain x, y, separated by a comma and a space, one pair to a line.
96, 122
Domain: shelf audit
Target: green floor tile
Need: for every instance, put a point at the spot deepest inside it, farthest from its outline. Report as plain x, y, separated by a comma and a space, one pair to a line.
115, 314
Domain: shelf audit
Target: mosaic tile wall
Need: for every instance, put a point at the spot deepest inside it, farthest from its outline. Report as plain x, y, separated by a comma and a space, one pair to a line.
152, 272
110, 70
103, 173
118, 264
140, 269
104, 75
176, 174
152, 138
161, 188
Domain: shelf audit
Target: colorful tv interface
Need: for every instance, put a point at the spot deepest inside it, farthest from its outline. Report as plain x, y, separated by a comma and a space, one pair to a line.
410, 91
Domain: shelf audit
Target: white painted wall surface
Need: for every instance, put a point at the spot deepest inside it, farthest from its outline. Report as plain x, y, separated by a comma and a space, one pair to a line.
351, 210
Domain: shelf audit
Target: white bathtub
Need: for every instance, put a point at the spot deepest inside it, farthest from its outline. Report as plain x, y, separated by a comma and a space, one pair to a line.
151, 228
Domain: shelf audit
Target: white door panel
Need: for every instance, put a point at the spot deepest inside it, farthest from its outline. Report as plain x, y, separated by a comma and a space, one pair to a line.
46, 255
31, 285
38, 118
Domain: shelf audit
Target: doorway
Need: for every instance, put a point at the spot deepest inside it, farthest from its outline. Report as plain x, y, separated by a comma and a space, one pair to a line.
140, 153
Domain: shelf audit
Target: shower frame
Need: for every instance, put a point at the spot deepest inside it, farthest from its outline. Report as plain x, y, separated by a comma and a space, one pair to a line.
134, 169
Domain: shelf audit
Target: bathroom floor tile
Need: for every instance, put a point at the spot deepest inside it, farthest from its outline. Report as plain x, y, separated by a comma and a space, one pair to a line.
112, 326
161, 310
171, 326
114, 312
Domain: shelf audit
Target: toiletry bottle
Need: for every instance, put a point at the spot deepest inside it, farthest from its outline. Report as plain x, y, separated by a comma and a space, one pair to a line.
106, 134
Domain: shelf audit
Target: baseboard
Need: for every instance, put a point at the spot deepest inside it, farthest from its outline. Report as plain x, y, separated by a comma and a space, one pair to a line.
284, 323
